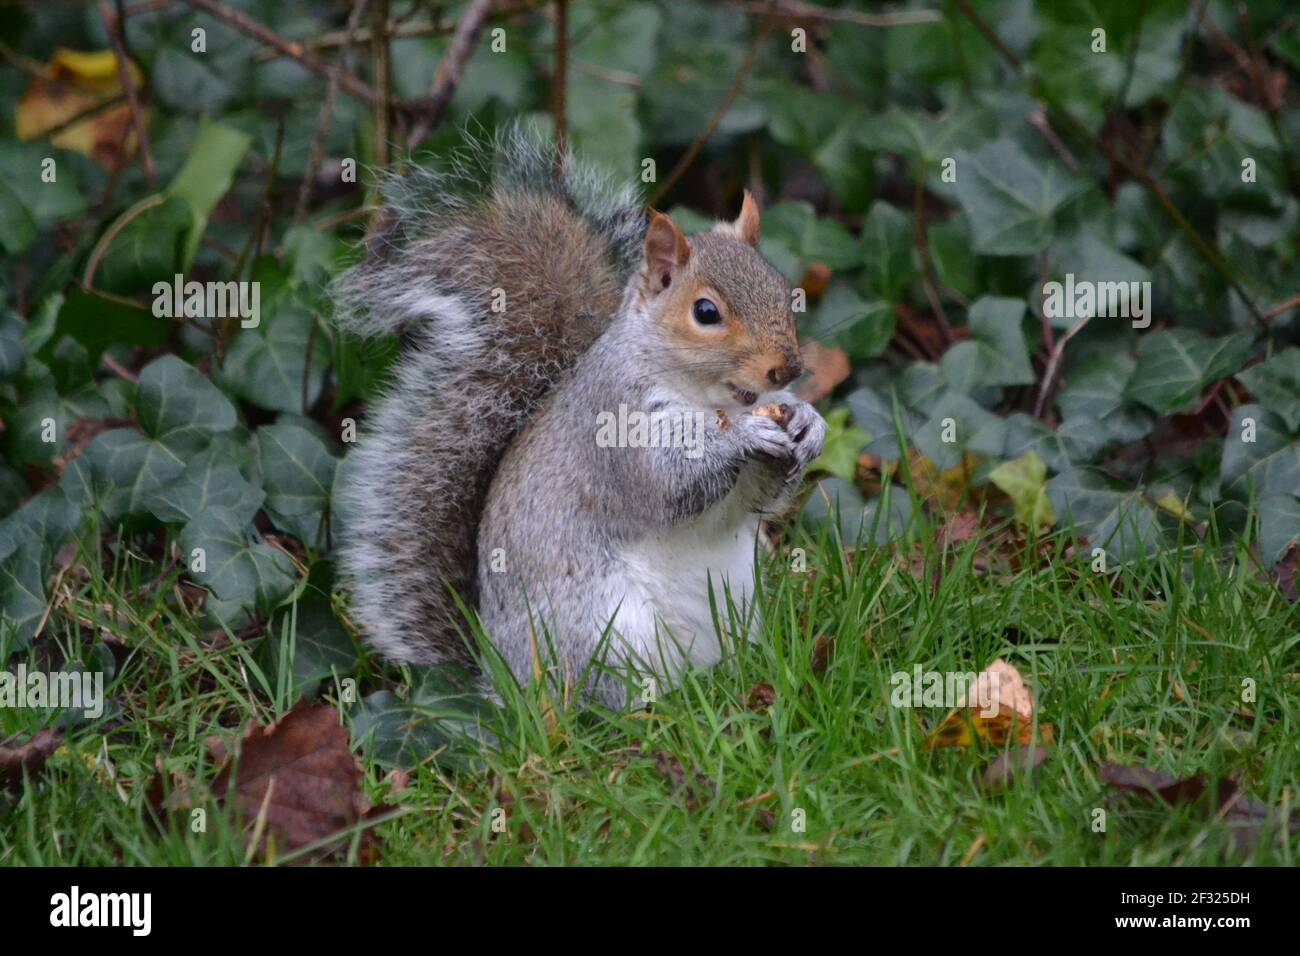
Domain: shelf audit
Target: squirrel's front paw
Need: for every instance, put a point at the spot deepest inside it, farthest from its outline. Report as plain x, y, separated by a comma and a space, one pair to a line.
764, 439
806, 430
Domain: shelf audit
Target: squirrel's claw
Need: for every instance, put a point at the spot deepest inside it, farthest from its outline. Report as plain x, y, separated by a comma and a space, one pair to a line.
807, 430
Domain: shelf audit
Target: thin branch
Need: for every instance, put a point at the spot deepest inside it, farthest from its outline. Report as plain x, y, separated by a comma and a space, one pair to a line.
807, 11
381, 74
1053, 362
1281, 307
398, 31
923, 251
1130, 62
1042, 301
1038, 120
306, 361
326, 118
609, 75
111, 233
250, 27
115, 30
751, 58
560, 80
450, 70
118, 369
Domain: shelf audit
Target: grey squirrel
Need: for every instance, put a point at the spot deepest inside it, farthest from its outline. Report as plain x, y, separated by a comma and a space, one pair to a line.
541, 312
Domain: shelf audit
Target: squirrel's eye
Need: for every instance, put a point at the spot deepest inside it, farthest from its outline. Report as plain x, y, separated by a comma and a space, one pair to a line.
705, 312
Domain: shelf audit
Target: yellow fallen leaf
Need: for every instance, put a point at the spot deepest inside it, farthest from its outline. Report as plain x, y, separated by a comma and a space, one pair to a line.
944, 488
73, 83
1024, 480
1172, 504
998, 686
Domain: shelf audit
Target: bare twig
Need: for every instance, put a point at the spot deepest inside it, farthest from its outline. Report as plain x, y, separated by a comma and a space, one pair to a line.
118, 369
250, 27
111, 233
609, 75
33, 68
115, 30
1281, 307
923, 250
450, 70
1042, 300
693, 150
1130, 62
806, 11
326, 118
560, 80
382, 75
1155, 130
1038, 120
398, 30
306, 361
1053, 362
1270, 96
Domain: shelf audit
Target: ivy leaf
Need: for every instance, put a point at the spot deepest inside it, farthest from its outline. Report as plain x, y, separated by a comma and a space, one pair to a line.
17, 225
1089, 258
180, 408
1276, 385
1111, 514
28, 204
149, 247
297, 472
28, 540
873, 413
97, 321
1010, 198
842, 446
1175, 365
321, 647
1279, 526
1072, 442
443, 713
12, 348
206, 176
955, 262
210, 480
265, 364
863, 329
1260, 455
179, 411
880, 520
121, 470
957, 425
13, 489
1024, 480
887, 250
239, 573
996, 353
925, 139
1095, 396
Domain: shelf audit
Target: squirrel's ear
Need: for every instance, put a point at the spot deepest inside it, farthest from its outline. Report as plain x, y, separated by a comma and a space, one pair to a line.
666, 251
746, 224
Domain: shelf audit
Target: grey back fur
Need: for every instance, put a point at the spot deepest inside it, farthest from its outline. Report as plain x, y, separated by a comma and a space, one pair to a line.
499, 273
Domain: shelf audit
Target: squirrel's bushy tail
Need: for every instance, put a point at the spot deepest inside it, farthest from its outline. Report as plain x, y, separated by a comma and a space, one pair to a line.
498, 272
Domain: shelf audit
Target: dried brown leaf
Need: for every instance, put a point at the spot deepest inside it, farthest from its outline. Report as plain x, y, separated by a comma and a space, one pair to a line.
28, 757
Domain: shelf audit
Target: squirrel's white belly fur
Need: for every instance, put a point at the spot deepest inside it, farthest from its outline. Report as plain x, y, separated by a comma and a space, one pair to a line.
660, 602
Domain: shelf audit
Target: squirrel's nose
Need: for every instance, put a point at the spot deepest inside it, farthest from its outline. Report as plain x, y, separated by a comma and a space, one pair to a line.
785, 374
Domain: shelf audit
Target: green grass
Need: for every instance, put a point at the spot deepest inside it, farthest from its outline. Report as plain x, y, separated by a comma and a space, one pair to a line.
1143, 666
